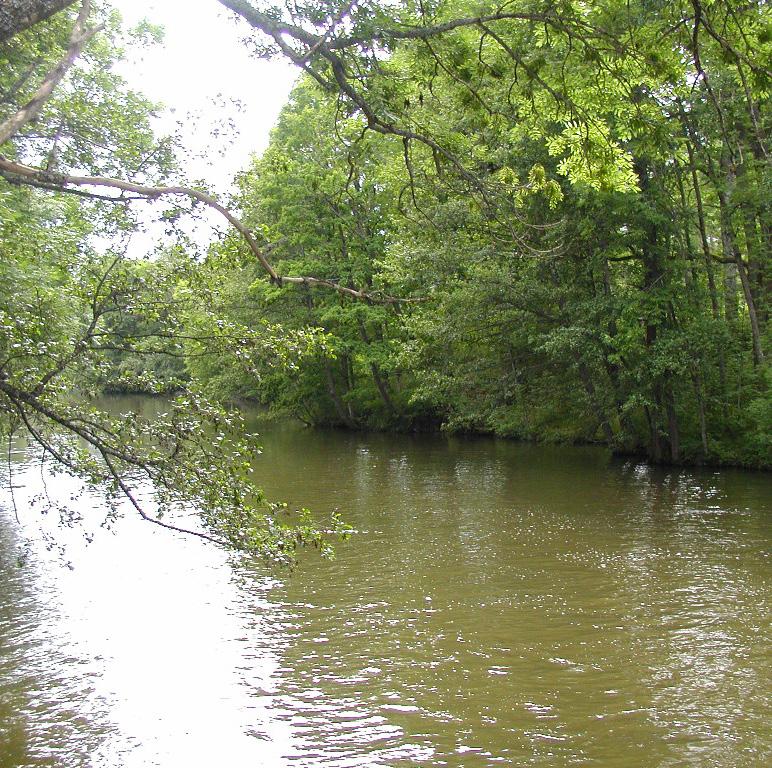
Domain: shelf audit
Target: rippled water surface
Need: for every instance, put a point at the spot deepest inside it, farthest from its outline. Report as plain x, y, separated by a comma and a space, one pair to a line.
499, 604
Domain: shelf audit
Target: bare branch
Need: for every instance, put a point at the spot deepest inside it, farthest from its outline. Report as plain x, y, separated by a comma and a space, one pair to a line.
273, 27
64, 183
22, 401
17, 16
129, 494
79, 37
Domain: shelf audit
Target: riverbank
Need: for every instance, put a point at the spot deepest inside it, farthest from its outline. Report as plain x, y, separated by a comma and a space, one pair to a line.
427, 424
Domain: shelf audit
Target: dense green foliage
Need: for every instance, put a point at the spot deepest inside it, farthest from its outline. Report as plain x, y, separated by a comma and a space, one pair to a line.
78, 317
579, 199
543, 220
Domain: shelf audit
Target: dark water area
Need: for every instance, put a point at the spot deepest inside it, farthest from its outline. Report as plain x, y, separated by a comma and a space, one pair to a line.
498, 604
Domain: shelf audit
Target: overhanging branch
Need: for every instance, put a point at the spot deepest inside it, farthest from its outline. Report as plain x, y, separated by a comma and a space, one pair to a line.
17, 172
78, 38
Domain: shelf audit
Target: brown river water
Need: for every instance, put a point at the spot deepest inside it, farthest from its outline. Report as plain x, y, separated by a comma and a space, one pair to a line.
499, 605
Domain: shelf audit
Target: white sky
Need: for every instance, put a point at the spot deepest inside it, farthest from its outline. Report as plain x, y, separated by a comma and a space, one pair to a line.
197, 72
201, 62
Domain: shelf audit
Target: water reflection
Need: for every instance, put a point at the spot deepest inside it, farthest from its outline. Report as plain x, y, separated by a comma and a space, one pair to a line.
136, 655
500, 605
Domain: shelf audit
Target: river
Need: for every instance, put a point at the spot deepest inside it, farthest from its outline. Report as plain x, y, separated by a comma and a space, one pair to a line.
499, 605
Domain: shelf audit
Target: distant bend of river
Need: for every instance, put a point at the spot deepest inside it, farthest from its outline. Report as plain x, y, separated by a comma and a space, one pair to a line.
499, 605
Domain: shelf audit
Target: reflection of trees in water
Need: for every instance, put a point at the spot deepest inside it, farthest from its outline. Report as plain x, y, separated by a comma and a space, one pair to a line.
511, 600
530, 604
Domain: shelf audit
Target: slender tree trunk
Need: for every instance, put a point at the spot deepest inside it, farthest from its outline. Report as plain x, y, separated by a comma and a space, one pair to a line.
753, 250
592, 394
709, 271
697, 382
653, 275
655, 445
758, 353
614, 369
690, 271
708, 261
730, 292
756, 250
673, 431
765, 290
691, 284
18, 15
761, 213
732, 251
344, 414
378, 378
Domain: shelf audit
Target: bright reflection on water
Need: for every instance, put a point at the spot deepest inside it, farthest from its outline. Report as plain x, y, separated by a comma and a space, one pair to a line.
499, 605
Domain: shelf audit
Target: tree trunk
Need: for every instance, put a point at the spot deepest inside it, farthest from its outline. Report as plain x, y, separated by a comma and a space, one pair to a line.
592, 394
344, 414
614, 370
673, 431
758, 354
755, 265
708, 263
701, 222
653, 274
731, 296
732, 251
697, 381
765, 290
18, 15
655, 446
378, 377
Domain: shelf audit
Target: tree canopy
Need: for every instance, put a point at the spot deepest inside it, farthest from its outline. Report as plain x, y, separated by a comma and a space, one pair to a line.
545, 220
579, 194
